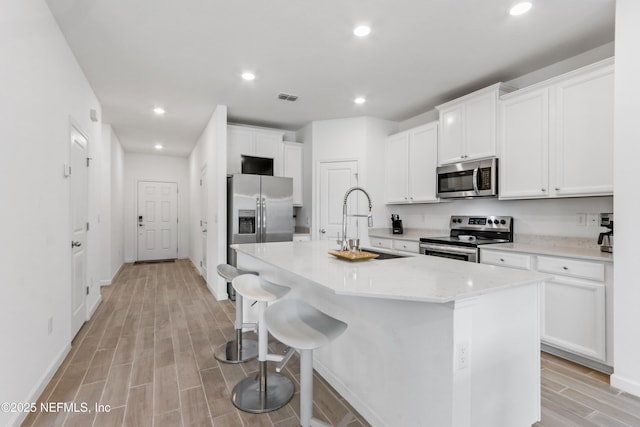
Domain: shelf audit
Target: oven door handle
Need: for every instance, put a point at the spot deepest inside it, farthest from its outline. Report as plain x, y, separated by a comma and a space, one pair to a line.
475, 180
450, 249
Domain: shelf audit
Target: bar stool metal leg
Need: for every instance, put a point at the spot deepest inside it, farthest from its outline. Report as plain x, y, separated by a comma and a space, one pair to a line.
264, 392
241, 349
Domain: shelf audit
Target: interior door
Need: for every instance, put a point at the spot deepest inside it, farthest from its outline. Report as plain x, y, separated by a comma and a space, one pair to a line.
157, 220
335, 179
203, 221
79, 217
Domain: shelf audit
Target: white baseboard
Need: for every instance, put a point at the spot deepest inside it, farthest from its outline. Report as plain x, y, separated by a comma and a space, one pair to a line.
104, 282
93, 309
625, 384
40, 386
364, 410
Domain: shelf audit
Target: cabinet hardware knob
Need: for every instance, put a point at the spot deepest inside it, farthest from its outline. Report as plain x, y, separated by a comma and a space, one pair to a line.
557, 188
565, 268
543, 189
501, 259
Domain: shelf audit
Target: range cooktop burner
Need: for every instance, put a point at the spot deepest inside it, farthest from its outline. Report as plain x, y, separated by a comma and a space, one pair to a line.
474, 231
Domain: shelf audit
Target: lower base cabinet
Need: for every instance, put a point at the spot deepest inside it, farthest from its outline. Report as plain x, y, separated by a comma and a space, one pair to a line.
575, 313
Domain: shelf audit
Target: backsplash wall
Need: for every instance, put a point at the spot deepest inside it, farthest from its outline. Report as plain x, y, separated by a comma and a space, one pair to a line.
552, 217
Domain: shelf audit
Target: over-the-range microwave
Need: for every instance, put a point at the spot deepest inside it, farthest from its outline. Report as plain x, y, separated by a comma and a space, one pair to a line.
477, 178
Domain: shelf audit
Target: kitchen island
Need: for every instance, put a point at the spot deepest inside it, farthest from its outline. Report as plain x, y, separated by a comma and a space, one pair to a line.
430, 342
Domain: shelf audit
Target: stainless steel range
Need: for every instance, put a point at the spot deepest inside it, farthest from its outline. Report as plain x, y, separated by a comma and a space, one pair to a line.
466, 235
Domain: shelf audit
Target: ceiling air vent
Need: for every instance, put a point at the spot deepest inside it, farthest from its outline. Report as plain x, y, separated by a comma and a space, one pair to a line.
287, 97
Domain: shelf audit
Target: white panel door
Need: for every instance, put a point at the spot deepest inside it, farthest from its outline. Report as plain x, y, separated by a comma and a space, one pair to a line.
79, 217
203, 222
335, 179
157, 220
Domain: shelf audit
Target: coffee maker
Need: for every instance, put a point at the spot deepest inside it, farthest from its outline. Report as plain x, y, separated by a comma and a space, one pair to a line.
605, 240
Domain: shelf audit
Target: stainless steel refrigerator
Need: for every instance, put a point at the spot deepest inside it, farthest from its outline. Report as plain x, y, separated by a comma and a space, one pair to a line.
259, 210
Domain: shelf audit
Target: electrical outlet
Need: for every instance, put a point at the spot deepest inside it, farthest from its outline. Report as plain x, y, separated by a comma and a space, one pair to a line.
593, 220
50, 325
581, 219
462, 355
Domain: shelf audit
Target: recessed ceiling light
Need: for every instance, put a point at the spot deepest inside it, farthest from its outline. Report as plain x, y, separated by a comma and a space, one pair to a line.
248, 76
158, 146
360, 100
159, 111
520, 8
362, 31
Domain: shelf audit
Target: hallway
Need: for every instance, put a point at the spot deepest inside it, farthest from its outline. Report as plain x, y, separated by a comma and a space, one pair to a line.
148, 354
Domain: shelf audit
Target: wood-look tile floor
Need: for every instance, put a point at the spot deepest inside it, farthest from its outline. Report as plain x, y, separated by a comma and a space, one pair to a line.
148, 354
573, 395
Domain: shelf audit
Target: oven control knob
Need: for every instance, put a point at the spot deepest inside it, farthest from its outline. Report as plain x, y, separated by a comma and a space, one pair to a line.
503, 222
490, 222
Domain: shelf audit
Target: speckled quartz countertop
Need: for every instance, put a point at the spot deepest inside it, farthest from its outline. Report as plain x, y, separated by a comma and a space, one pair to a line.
414, 278
573, 247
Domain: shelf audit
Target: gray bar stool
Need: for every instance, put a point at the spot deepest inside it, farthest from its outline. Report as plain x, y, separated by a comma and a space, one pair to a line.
241, 349
301, 326
264, 392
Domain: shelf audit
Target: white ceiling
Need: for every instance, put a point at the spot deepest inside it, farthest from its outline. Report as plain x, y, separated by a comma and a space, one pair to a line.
187, 55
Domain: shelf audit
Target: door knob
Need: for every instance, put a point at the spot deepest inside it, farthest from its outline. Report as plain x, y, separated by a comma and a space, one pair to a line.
76, 244
322, 230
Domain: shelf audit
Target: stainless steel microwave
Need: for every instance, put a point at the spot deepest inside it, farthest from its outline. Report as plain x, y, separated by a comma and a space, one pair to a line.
468, 179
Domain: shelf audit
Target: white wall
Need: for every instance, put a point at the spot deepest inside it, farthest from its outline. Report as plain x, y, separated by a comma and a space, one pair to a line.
304, 214
627, 203
361, 139
117, 204
43, 88
210, 152
150, 167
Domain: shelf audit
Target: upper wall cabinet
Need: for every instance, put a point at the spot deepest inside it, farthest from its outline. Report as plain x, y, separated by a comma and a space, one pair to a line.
292, 168
253, 142
556, 137
410, 167
468, 125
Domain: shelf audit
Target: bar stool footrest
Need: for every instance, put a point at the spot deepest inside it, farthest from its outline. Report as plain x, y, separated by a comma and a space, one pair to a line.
228, 352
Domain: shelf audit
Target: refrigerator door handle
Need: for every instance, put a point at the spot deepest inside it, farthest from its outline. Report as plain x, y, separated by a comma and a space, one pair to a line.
264, 220
258, 221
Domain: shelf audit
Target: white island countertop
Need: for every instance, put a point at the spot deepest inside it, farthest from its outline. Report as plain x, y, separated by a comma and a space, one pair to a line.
416, 278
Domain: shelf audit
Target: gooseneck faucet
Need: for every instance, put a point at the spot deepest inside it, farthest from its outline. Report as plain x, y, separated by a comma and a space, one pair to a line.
345, 243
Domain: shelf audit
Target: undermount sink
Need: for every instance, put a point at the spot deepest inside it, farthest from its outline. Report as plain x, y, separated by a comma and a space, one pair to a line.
383, 255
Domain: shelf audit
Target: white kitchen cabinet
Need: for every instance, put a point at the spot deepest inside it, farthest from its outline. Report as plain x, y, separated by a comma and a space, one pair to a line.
378, 242
524, 145
406, 246
583, 133
292, 168
556, 137
468, 126
410, 165
247, 141
575, 314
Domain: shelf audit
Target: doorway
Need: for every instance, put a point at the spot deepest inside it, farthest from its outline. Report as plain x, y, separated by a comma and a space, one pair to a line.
157, 220
203, 221
79, 205
335, 178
